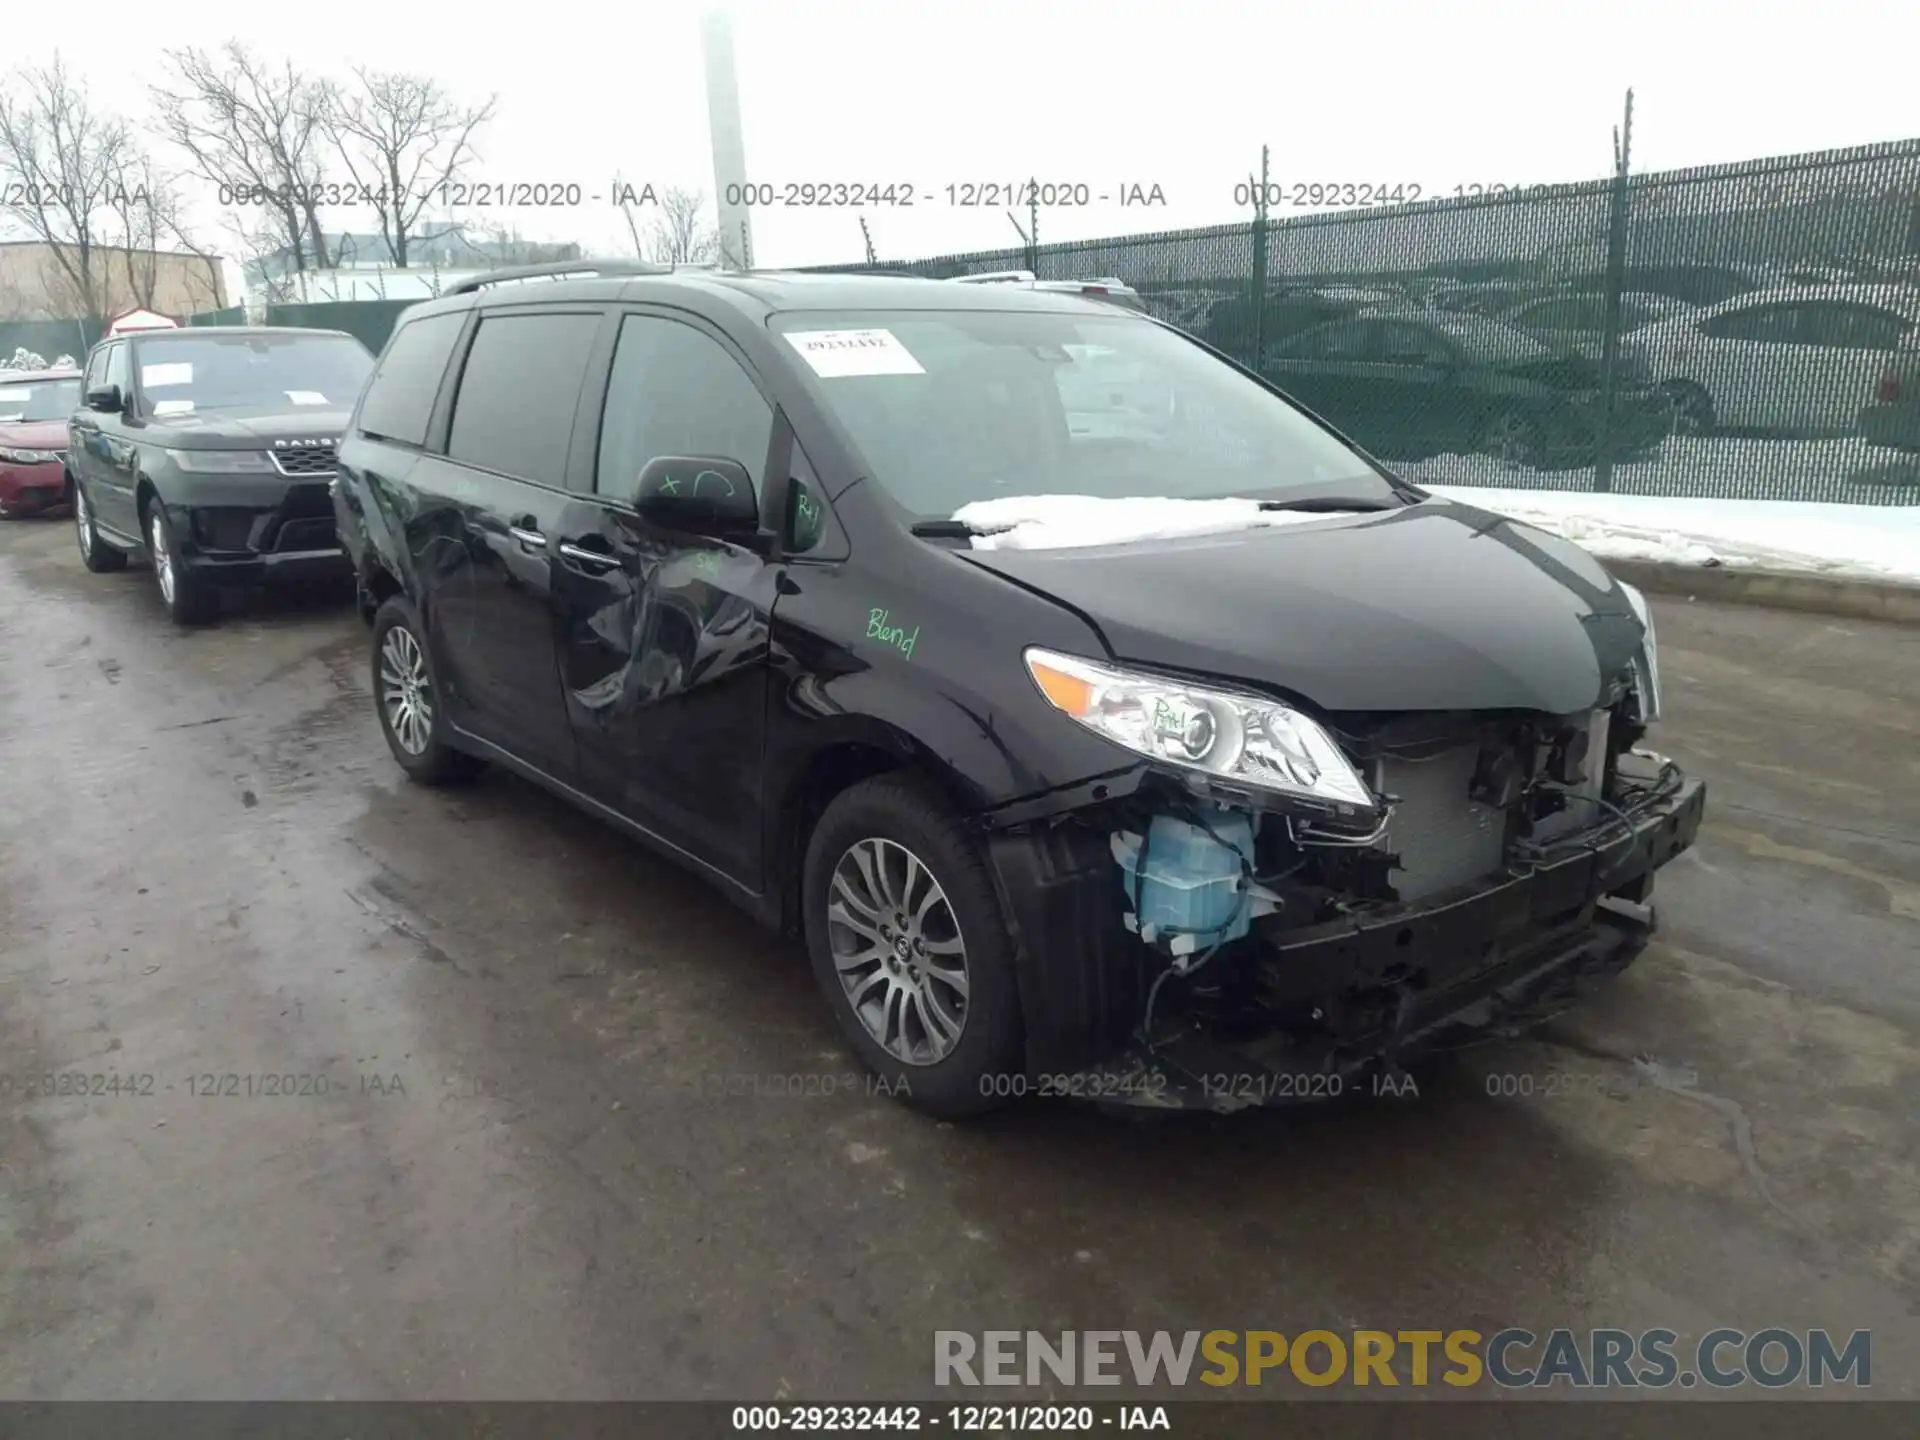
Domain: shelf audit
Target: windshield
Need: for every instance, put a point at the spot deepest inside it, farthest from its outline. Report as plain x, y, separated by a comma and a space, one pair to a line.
947, 407
26, 401
182, 374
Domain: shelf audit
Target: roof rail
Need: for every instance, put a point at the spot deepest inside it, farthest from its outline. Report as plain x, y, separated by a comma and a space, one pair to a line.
997, 277
559, 270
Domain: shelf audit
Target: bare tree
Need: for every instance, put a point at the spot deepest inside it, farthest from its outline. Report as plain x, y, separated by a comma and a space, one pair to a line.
496, 242
140, 206
629, 202
401, 138
679, 232
255, 130
60, 160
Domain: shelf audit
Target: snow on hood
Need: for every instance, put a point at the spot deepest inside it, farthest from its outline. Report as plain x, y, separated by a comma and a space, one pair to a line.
1058, 522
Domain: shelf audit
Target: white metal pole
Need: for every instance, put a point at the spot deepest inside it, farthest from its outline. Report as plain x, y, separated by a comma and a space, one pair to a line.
729, 152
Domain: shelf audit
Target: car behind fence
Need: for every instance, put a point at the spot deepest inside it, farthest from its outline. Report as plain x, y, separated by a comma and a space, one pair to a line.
1716, 332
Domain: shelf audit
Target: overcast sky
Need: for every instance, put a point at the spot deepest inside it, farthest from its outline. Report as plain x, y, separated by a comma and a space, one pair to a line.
1180, 94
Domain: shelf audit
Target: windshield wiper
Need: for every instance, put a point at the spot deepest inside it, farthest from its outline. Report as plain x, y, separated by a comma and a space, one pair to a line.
944, 530
1331, 504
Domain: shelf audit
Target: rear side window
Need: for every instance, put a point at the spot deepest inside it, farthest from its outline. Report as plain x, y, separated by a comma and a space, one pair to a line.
1771, 323
399, 399
518, 392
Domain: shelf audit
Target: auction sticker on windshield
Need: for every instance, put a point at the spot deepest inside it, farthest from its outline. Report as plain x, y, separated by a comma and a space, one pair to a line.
306, 397
12, 395
173, 407
834, 353
179, 372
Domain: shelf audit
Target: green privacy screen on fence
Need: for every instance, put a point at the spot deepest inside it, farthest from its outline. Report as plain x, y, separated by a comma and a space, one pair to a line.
371, 321
1755, 311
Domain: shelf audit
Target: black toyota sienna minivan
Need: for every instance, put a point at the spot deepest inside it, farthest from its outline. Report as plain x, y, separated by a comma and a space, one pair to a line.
1104, 723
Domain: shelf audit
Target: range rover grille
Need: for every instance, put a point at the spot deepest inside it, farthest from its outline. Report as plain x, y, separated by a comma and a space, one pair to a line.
308, 459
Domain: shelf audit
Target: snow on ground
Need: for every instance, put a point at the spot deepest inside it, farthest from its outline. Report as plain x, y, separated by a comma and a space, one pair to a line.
1716, 467
1693, 505
1876, 542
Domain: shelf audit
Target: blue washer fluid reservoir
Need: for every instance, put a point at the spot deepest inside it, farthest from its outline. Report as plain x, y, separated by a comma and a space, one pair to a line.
1191, 881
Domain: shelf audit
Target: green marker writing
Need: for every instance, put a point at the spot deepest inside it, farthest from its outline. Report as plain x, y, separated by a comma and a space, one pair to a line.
897, 636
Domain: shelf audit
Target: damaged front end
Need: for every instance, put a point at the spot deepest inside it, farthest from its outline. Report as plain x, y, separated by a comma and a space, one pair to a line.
1336, 897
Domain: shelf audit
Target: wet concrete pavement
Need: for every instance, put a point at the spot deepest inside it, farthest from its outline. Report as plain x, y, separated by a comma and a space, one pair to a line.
525, 1179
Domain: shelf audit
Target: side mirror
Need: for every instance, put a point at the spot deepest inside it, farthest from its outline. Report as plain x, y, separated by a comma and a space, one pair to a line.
700, 494
107, 398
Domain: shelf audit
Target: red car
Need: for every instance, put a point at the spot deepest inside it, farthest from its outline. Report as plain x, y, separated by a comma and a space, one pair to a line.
34, 406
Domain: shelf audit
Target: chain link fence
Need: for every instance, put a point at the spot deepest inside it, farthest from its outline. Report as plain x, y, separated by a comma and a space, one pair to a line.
1715, 332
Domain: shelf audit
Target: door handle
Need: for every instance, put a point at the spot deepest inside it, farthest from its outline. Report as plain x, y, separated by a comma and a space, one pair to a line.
599, 558
532, 539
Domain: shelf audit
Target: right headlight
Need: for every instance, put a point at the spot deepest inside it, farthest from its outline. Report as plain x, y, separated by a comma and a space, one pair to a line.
1243, 738
1646, 664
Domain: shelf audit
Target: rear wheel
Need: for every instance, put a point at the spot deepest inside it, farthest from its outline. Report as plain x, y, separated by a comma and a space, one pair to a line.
95, 553
407, 695
910, 948
189, 599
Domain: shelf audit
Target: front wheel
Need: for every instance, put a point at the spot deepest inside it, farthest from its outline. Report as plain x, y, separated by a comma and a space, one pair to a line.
910, 948
408, 696
189, 599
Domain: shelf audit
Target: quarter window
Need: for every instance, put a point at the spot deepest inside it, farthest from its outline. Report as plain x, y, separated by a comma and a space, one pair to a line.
518, 392
399, 400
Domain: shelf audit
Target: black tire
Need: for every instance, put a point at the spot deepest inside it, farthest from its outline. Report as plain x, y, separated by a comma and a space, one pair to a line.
95, 553
188, 599
434, 762
1689, 409
974, 1075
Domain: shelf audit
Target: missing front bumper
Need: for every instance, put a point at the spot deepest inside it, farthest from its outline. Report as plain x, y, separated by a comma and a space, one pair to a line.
1401, 982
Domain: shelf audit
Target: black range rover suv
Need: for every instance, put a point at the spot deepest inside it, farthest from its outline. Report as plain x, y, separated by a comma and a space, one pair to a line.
1149, 744
210, 451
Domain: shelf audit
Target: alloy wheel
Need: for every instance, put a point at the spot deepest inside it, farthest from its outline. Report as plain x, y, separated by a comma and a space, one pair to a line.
406, 690
162, 556
82, 523
897, 946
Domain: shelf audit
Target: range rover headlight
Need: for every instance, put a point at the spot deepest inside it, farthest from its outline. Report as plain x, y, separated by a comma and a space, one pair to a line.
222, 462
1646, 663
1245, 738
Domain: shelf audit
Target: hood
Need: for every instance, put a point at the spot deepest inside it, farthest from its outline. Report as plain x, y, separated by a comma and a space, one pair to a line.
253, 428
1439, 606
34, 435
